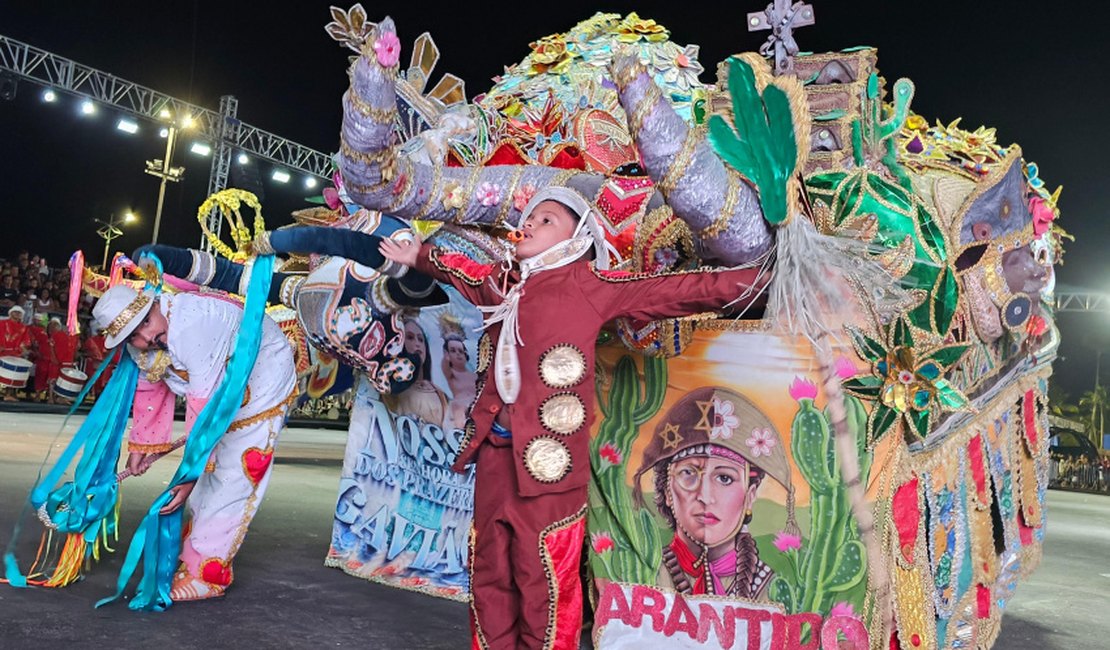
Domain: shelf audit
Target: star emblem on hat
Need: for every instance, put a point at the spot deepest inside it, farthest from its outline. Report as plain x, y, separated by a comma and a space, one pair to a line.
706, 422
671, 437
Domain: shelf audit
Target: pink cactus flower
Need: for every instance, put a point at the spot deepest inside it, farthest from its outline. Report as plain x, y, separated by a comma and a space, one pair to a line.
802, 389
609, 454
845, 368
1043, 215
843, 609
786, 542
388, 49
601, 542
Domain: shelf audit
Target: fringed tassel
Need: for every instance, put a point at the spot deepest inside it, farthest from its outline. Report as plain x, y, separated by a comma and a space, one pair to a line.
70, 561
76, 272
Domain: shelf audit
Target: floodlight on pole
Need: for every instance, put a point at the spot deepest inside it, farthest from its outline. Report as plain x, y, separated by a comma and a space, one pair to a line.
164, 170
109, 230
88, 107
280, 176
200, 149
128, 126
49, 95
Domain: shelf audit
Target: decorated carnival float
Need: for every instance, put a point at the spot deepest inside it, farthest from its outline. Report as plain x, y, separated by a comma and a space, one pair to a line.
862, 461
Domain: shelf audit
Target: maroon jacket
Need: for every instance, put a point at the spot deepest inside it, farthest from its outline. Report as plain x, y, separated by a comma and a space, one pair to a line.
560, 315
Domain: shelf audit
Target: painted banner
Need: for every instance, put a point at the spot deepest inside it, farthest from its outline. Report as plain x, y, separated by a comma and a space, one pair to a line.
402, 516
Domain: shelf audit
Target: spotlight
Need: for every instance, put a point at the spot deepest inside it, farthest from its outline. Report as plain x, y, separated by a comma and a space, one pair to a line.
200, 148
87, 107
165, 114
280, 176
187, 122
310, 182
127, 126
49, 96
243, 159
164, 133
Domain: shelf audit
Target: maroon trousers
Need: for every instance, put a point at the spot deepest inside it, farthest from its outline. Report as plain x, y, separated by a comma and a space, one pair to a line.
524, 559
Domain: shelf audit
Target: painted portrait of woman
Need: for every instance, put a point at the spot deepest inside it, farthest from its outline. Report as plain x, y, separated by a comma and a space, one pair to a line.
710, 455
423, 399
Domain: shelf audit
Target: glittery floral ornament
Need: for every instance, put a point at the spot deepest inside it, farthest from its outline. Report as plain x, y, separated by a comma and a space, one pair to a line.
453, 196
523, 195
724, 420
550, 54
1043, 215
488, 194
907, 383
387, 49
678, 66
633, 29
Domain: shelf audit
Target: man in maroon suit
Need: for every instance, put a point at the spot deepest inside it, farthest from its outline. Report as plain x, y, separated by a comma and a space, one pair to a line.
530, 425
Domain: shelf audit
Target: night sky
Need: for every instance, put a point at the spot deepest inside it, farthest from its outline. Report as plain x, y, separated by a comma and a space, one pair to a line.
1033, 70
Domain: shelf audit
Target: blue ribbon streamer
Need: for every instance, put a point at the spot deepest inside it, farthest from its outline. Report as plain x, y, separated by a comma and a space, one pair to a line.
157, 541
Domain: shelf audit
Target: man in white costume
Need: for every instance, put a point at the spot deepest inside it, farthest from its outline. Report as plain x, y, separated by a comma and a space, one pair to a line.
181, 344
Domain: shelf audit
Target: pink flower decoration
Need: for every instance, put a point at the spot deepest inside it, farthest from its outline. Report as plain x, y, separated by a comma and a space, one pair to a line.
609, 454
388, 49
331, 198
523, 195
843, 609
786, 542
601, 542
802, 389
845, 369
761, 442
488, 194
1043, 215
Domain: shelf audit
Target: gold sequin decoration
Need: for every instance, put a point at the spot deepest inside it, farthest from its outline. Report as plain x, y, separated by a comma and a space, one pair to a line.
562, 366
563, 413
485, 353
547, 459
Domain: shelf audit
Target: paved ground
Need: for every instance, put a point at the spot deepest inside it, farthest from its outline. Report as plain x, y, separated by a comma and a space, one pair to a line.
285, 598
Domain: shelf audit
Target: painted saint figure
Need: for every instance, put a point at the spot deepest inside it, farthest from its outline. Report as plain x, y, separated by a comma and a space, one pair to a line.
710, 454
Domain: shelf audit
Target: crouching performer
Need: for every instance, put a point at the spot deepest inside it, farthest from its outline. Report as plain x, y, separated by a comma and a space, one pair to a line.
181, 345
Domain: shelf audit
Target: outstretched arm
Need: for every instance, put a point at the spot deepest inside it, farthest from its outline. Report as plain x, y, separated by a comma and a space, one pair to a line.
671, 295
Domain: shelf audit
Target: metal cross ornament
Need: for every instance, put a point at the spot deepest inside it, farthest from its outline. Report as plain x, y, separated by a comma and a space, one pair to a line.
781, 17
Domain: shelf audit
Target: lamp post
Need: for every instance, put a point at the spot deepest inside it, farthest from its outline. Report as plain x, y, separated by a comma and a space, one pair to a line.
108, 231
164, 170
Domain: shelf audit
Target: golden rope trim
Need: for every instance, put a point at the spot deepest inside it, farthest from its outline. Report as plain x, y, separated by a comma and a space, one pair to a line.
433, 192
549, 572
507, 198
269, 413
379, 115
125, 316
369, 158
729, 206
652, 96
680, 163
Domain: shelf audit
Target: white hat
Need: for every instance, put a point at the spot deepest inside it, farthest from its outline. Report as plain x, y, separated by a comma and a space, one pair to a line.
16, 308
587, 220
119, 311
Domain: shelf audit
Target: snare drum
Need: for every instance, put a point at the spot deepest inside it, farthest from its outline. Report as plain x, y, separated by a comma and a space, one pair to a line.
14, 372
69, 384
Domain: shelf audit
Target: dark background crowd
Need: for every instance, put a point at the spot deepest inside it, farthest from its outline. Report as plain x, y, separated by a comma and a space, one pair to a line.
34, 302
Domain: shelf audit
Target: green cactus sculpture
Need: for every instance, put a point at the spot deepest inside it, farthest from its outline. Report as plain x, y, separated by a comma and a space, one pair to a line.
632, 551
763, 146
831, 564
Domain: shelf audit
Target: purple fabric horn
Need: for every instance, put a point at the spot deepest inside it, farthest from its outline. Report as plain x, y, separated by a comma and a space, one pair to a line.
378, 177
721, 208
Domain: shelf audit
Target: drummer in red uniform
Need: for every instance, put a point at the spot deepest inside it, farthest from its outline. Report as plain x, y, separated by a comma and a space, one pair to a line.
529, 427
15, 341
94, 352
